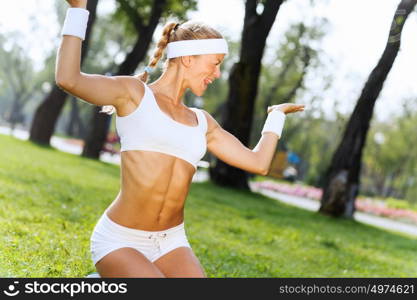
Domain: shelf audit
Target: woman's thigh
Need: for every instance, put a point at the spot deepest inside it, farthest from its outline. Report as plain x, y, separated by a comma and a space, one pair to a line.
180, 262
127, 262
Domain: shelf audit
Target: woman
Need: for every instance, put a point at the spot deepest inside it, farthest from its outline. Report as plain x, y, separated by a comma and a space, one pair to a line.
141, 234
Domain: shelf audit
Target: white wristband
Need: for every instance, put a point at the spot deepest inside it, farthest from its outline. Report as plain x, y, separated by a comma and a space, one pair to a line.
76, 22
274, 122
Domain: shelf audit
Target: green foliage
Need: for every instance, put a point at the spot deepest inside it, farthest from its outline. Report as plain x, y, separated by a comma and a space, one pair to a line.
180, 9
18, 82
315, 142
399, 204
390, 162
295, 53
52, 200
127, 9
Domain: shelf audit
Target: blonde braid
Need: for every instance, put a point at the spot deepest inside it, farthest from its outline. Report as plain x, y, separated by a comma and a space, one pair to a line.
160, 47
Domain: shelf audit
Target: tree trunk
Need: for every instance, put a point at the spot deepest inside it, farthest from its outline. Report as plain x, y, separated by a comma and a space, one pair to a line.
47, 113
75, 125
96, 139
15, 115
100, 121
243, 86
342, 182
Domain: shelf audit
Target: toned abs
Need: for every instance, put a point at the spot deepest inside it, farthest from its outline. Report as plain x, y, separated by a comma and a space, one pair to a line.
154, 187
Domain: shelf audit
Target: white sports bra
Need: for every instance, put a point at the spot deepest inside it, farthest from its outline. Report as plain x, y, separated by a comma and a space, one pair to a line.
149, 128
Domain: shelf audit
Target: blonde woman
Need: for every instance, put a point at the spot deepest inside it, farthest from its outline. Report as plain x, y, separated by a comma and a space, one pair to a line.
141, 234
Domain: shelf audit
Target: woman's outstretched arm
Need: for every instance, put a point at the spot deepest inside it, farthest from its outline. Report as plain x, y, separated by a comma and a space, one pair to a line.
229, 149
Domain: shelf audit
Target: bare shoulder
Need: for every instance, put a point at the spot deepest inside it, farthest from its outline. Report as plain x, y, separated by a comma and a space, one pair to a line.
136, 90
211, 122
134, 86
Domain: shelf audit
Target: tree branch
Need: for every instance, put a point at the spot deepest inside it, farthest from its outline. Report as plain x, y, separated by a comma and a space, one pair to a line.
133, 15
270, 11
157, 9
250, 13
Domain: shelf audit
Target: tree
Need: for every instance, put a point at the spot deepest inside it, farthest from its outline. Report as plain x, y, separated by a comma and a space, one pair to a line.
75, 126
46, 115
389, 160
243, 85
144, 16
342, 181
17, 73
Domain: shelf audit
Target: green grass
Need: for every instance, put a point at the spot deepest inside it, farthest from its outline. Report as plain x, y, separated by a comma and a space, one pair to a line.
51, 200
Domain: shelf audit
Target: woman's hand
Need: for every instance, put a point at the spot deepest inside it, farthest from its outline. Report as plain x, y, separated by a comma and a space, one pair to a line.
78, 3
287, 108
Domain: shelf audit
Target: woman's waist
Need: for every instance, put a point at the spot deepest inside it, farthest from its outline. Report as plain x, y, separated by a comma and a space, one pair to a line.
152, 214
141, 197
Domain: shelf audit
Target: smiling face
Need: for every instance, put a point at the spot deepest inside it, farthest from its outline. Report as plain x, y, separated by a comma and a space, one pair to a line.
203, 70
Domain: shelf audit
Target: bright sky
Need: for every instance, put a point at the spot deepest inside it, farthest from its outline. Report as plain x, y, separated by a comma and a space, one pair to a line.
354, 43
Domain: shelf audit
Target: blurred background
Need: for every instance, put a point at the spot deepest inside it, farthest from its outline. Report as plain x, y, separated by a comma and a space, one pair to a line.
319, 53
350, 155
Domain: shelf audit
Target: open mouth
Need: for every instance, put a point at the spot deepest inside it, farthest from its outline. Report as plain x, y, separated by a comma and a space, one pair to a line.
207, 81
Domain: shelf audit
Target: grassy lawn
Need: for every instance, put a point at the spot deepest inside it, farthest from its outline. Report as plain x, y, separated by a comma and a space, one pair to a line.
51, 200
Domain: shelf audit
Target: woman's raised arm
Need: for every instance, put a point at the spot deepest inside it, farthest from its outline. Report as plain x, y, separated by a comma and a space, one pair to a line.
95, 89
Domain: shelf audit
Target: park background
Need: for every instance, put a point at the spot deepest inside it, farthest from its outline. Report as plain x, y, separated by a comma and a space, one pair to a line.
320, 53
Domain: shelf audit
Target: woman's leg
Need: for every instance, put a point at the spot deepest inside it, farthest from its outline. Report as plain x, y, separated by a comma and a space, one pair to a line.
180, 262
127, 262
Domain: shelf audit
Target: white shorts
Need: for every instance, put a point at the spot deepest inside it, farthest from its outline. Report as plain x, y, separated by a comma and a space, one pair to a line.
108, 236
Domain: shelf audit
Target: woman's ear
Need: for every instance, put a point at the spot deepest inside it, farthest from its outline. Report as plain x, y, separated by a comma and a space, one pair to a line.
186, 61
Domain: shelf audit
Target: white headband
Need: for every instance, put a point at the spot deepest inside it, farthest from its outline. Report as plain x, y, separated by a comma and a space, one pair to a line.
196, 47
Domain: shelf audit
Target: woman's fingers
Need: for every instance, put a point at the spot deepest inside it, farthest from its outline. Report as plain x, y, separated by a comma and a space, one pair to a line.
298, 108
287, 107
